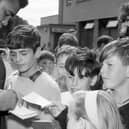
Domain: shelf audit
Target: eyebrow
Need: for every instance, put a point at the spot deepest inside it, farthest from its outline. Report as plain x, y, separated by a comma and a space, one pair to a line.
11, 51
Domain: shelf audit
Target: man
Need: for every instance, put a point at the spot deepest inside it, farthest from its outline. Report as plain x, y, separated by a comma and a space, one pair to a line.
9, 8
8, 98
115, 74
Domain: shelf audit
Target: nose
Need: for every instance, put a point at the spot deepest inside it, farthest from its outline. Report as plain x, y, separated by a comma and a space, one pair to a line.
17, 58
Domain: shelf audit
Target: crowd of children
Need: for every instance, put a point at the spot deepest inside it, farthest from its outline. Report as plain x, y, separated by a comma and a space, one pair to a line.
88, 88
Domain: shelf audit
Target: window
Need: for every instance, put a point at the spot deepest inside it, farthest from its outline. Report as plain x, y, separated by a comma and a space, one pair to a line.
112, 24
89, 25
68, 2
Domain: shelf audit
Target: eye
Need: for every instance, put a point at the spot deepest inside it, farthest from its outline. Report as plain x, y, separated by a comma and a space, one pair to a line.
70, 77
109, 64
24, 53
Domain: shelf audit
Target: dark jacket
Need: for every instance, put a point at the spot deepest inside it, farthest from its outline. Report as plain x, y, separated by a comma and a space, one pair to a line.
2, 81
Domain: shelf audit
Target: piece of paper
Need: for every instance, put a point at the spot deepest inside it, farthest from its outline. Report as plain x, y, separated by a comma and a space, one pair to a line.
23, 112
35, 98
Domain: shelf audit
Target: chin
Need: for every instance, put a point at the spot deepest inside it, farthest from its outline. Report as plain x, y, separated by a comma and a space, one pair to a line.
22, 70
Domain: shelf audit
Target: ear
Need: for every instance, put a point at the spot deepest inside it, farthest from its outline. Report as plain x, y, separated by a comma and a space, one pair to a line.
93, 80
38, 52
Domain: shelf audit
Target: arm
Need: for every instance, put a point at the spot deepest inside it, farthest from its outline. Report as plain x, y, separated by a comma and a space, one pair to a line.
8, 100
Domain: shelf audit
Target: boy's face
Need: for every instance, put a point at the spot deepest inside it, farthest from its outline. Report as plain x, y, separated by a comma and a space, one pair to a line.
24, 59
114, 73
80, 83
7, 10
47, 65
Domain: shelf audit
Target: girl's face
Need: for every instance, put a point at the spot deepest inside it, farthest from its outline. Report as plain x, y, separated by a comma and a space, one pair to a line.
80, 83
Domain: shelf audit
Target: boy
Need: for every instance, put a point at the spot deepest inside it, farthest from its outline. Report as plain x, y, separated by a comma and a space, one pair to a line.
115, 74
24, 45
47, 61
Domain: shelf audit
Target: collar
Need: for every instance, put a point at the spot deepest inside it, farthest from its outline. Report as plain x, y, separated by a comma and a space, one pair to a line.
34, 76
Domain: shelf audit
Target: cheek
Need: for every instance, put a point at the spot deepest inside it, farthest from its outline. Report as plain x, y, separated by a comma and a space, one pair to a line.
84, 84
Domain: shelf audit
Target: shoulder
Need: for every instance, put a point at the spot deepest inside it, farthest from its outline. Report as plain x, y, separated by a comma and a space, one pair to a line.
49, 79
51, 85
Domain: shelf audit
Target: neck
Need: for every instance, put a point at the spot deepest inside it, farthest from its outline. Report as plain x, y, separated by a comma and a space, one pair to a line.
121, 94
34, 68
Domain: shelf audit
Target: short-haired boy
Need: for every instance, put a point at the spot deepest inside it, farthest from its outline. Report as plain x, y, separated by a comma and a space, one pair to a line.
115, 74
24, 45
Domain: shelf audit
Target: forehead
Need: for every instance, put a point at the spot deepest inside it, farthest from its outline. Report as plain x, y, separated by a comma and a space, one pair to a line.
113, 59
21, 50
46, 61
62, 58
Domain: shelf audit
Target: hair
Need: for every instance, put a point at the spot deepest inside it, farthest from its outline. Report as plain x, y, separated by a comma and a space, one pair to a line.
107, 111
24, 36
124, 12
84, 59
67, 39
123, 18
23, 3
66, 50
103, 39
46, 55
118, 47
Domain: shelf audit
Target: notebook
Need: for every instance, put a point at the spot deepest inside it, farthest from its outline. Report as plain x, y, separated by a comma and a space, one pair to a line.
36, 99
23, 112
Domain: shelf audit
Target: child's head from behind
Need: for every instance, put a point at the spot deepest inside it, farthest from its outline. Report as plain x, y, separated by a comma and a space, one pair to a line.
24, 41
95, 109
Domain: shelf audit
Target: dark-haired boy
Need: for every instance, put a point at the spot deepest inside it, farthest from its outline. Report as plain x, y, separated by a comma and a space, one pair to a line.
24, 45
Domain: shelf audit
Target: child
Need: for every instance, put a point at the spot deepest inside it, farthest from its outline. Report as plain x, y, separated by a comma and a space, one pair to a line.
24, 44
62, 54
83, 69
115, 74
93, 110
47, 61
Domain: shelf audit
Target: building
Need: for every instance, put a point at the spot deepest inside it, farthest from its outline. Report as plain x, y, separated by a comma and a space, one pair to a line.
92, 17
50, 30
